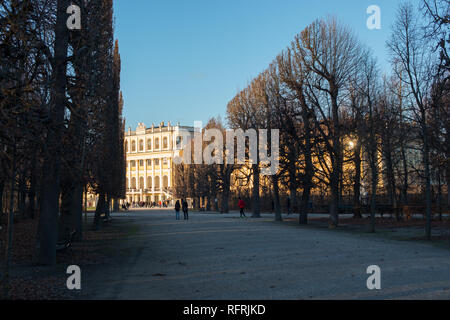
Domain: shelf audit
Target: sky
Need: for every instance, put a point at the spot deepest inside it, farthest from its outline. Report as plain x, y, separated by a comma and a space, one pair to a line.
183, 61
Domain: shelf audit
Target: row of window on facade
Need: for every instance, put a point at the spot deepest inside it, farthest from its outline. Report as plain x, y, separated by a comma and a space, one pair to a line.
165, 145
165, 183
155, 162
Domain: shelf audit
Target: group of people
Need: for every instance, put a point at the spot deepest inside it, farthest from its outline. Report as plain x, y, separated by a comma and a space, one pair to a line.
142, 204
182, 206
179, 206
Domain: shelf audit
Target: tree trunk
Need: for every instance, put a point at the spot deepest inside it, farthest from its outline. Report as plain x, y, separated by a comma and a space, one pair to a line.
116, 207
2, 187
108, 207
85, 202
256, 207
276, 197
292, 200
405, 177
390, 179
21, 196
357, 183
334, 206
77, 211
197, 203
10, 230
224, 206
307, 187
66, 221
309, 167
32, 196
71, 207
51, 174
373, 195
426, 161
208, 203
448, 185
447, 170
336, 154
439, 198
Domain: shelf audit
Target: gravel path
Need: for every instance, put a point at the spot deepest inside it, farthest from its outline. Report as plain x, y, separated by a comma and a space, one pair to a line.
216, 257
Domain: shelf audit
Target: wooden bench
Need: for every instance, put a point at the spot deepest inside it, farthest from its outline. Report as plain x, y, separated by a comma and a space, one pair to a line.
387, 209
381, 209
104, 218
345, 209
409, 211
66, 245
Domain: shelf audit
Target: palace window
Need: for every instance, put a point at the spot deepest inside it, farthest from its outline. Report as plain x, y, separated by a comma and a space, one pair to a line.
165, 161
141, 183
149, 182
149, 162
133, 146
157, 182
133, 183
126, 146
133, 163
157, 143
149, 144
156, 162
179, 142
165, 182
165, 143
141, 163
141, 145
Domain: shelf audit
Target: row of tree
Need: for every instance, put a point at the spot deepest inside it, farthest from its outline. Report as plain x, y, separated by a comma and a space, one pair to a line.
62, 130
342, 122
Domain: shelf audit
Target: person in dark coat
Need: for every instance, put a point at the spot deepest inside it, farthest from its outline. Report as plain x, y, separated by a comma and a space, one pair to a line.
185, 210
177, 210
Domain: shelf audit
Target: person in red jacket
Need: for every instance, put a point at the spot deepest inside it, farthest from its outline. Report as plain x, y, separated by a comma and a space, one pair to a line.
241, 205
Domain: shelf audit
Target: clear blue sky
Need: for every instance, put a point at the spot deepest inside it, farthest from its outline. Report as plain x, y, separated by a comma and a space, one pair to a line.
184, 60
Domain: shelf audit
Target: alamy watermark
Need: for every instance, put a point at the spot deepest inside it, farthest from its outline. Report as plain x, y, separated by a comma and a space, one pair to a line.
74, 20
74, 280
374, 281
259, 151
374, 20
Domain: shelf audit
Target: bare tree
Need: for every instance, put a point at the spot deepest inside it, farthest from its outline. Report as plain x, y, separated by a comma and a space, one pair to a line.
246, 111
51, 175
410, 49
293, 74
330, 51
369, 89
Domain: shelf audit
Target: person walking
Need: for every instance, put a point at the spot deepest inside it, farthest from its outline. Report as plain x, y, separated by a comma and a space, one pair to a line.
177, 210
241, 205
185, 210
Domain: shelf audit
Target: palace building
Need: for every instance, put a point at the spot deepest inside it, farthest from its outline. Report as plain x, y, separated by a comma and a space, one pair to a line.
149, 157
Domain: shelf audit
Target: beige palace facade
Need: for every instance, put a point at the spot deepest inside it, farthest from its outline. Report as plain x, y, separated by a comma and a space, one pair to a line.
149, 157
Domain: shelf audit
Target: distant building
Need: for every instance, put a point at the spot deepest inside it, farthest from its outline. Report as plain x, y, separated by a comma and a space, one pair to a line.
149, 157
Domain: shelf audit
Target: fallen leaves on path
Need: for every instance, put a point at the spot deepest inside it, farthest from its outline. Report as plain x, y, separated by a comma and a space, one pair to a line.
30, 282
